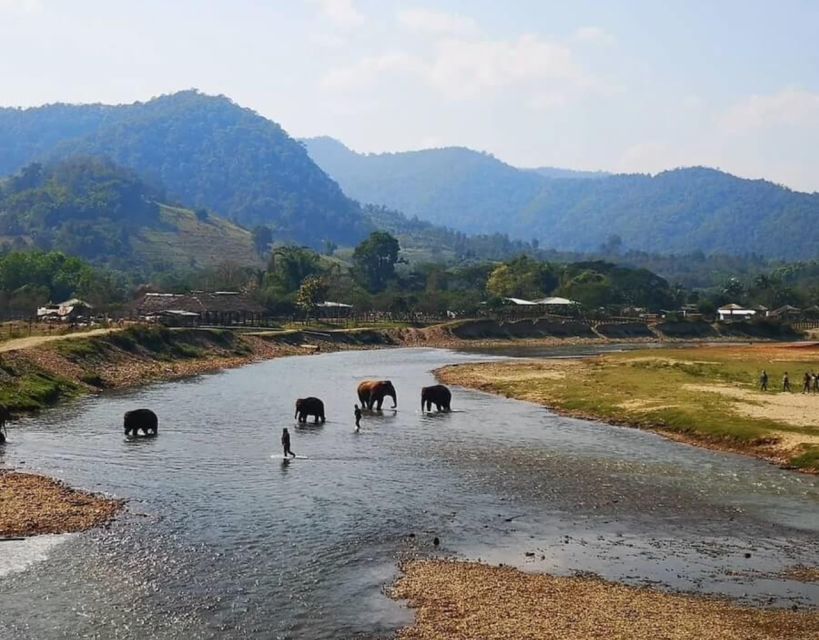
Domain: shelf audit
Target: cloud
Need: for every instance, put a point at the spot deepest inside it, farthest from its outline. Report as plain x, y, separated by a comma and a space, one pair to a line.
342, 13
593, 35
548, 100
789, 107
366, 71
21, 6
465, 69
651, 155
544, 74
437, 22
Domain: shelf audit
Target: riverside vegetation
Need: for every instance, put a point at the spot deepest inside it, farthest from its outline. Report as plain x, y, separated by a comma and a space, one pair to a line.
706, 395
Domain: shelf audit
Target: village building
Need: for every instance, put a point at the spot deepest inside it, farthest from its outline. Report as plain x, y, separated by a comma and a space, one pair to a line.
72, 310
550, 301
199, 307
786, 312
811, 312
520, 302
733, 311
328, 309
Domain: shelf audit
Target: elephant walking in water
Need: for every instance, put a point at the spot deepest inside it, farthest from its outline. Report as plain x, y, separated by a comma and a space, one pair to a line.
137, 419
373, 392
309, 407
438, 395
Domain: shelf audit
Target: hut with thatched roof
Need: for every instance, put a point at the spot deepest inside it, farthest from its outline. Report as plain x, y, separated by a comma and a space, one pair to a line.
210, 307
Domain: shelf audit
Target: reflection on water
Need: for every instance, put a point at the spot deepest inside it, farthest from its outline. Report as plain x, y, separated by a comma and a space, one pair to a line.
224, 539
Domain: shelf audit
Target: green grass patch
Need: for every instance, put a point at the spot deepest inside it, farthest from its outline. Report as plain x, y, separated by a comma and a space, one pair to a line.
808, 461
678, 390
33, 391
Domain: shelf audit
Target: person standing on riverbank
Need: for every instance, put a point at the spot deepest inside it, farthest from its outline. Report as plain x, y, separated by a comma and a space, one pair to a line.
286, 443
786, 382
763, 381
806, 383
357, 419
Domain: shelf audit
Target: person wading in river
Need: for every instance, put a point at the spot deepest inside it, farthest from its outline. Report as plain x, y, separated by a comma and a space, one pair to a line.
4, 415
286, 443
357, 419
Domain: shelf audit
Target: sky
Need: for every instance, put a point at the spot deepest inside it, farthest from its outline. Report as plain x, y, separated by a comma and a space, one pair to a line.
618, 85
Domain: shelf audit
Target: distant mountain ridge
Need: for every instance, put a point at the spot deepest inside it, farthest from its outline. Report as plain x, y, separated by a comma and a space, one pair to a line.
452, 186
677, 211
557, 172
205, 150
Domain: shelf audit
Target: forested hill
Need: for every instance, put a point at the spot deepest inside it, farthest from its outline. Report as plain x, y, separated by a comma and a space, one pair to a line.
456, 187
207, 151
678, 211
90, 208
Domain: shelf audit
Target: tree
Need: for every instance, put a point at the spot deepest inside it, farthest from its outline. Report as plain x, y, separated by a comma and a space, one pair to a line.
289, 266
523, 277
375, 260
312, 291
329, 247
262, 238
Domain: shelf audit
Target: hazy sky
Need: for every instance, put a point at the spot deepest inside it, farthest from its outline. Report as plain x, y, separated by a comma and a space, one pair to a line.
616, 85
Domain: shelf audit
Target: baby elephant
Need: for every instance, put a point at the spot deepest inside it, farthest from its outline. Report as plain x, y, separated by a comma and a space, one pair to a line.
438, 395
309, 407
137, 419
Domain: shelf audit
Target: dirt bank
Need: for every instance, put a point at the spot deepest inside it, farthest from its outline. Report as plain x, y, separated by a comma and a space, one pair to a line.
707, 396
32, 504
44, 372
464, 600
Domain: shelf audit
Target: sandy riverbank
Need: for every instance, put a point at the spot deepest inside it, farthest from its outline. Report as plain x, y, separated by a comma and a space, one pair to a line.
465, 600
706, 395
32, 504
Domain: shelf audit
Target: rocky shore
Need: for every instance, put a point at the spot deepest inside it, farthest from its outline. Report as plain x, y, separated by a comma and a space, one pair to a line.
466, 600
32, 504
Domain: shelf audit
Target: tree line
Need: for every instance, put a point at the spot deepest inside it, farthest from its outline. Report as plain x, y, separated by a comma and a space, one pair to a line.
375, 276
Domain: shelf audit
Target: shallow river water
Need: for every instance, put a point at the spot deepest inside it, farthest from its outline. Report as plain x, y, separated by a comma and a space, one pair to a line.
222, 539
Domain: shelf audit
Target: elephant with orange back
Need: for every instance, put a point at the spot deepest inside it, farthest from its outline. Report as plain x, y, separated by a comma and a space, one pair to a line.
373, 392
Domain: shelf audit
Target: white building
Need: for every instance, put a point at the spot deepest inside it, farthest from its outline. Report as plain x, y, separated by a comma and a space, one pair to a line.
734, 312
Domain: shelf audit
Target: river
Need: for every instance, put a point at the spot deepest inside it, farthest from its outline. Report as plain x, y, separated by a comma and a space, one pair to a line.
222, 539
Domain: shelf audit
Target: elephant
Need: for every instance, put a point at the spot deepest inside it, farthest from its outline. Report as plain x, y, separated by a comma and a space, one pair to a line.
137, 419
438, 395
373, 392
309, 407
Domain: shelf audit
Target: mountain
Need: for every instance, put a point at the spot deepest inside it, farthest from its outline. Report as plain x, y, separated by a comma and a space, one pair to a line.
93, 209
454, 186
677, 211
205, 150
556, 172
